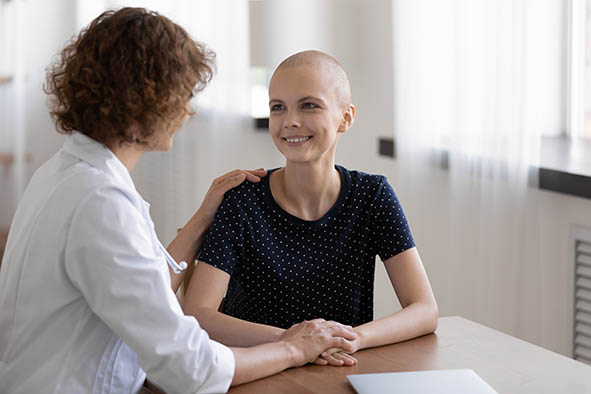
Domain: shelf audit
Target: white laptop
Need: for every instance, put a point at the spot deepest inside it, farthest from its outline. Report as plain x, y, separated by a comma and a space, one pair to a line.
456, 381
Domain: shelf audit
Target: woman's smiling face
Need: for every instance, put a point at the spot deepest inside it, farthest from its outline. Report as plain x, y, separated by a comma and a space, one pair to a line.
306, 113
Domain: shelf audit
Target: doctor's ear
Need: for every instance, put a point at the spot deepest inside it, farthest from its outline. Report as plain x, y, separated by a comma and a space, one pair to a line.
348, 118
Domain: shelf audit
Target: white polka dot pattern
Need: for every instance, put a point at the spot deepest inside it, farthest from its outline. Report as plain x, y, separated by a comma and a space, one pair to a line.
285, 270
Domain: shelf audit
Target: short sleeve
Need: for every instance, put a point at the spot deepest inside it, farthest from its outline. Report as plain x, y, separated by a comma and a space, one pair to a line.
390, 232
223, 244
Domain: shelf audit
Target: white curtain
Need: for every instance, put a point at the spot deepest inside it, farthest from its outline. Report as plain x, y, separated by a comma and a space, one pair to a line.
12, 103
476, 82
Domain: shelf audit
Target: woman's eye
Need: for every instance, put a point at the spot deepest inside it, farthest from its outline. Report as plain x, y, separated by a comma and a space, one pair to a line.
277, 107
309, 106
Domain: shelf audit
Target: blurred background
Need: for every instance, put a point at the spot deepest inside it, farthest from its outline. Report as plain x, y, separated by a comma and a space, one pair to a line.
475, 110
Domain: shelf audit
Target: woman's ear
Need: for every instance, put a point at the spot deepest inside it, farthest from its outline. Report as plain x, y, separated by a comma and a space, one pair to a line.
348, 118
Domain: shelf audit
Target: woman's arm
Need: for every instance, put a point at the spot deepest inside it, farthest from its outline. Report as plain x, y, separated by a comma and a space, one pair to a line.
205, 293
188, 241
419, 309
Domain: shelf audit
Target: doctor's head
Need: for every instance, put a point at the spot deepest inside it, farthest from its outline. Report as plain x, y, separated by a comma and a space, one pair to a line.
128, 78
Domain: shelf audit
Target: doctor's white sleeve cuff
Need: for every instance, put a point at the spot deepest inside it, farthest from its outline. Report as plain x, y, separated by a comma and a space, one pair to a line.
223, 370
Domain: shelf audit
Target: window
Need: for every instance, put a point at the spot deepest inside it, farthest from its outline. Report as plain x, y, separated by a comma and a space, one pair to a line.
579, 70
586, 132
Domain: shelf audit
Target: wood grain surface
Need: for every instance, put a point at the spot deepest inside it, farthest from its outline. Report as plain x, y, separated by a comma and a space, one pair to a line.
508, 364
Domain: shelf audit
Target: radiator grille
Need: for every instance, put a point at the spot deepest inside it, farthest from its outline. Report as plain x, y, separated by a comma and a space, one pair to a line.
582, 315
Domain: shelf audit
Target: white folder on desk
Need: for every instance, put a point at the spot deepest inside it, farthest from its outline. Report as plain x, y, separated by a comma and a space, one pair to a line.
456, 381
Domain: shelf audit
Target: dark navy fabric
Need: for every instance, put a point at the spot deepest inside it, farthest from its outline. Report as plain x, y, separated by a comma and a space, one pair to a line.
285, 270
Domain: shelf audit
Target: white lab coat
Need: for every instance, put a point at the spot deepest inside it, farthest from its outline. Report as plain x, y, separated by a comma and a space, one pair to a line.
85, 298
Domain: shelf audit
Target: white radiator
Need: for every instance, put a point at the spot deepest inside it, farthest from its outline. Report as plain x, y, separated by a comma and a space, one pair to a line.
581, 238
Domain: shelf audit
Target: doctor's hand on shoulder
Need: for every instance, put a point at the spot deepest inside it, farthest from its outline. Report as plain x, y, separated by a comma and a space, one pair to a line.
220, 186
189, 239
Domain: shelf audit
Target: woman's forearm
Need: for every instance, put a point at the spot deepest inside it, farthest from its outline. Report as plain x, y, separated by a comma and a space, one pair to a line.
232, 331
415, 320
186, 245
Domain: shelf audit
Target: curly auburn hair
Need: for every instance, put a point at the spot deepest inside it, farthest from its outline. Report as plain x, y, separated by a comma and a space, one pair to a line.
127, 75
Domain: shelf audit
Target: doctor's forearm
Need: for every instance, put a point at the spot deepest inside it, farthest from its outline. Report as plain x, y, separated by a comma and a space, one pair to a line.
263, 360
186, 245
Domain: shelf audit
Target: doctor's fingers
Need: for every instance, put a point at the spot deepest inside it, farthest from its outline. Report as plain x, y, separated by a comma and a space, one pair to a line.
251, 175
341, 330
222, 186
305, 328
255, 175
322, 327
345, 345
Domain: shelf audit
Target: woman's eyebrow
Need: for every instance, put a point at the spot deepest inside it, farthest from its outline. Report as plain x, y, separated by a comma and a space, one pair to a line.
314, 98
274, 100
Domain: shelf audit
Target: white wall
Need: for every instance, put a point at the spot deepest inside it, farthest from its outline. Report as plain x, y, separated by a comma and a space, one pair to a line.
43, 28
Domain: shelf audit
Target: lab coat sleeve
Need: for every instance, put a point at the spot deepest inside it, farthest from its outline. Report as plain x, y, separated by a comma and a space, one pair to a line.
111, 258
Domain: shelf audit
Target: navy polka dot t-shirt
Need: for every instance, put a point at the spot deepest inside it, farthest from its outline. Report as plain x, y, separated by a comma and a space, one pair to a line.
285, 270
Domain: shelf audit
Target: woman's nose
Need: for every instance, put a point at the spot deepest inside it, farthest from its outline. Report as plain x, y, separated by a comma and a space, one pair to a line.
292, 120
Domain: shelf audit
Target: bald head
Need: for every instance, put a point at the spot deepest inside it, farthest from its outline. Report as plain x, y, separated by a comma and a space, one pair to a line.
324, 64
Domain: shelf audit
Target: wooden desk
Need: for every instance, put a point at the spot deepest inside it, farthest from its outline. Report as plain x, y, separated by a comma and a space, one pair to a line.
508, 364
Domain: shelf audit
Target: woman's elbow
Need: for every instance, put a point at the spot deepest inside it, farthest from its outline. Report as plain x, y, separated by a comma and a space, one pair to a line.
431, 317
191, 307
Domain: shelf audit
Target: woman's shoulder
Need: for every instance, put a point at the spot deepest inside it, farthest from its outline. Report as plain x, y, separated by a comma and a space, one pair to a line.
247, 191
363, 180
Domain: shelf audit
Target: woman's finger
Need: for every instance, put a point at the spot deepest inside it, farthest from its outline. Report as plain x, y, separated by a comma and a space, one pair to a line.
335, 362
346, 358
320, 361
330, 351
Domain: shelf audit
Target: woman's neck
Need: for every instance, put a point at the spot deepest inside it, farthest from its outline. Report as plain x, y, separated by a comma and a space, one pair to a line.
128, 154
306, 190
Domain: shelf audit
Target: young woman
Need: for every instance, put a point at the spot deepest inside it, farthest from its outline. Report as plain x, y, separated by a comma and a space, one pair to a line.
302, 243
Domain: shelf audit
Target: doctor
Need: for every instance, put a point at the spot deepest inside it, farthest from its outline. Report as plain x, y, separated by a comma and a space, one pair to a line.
87, 303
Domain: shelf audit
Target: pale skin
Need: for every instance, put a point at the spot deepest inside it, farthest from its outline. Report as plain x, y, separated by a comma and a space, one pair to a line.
305, 105
299, 345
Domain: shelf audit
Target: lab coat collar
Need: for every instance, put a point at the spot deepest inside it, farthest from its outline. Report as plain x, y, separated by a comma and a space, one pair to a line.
99, 156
